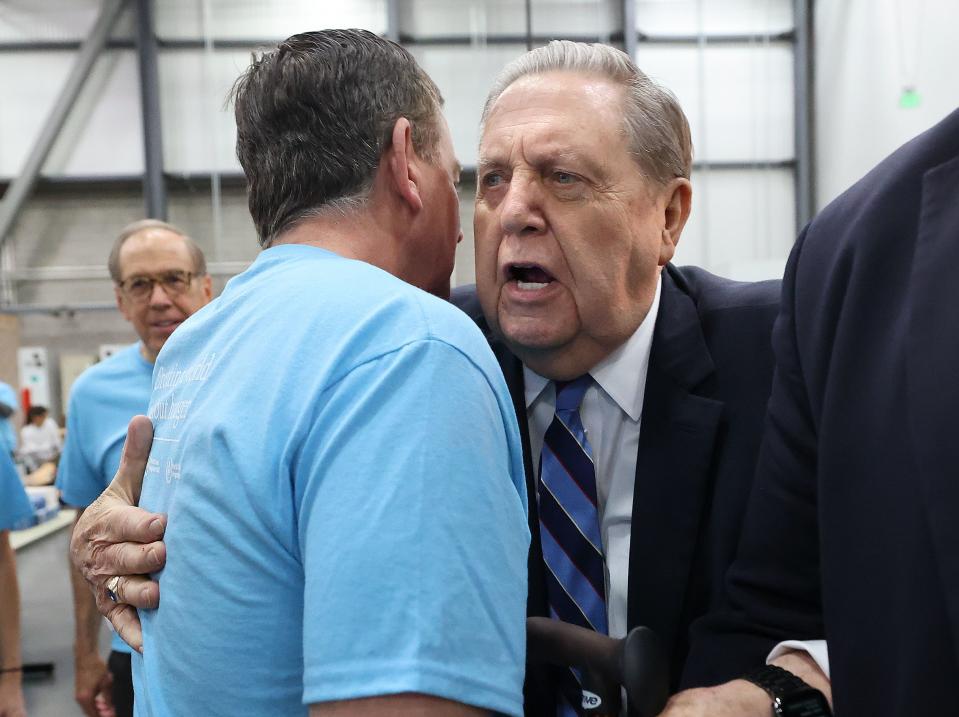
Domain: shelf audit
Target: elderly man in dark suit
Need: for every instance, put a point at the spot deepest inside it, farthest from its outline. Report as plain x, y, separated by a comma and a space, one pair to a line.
660, 375
852, 533
582, 194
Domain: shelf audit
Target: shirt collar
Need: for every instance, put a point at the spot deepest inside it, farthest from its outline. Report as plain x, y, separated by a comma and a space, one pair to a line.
616, 374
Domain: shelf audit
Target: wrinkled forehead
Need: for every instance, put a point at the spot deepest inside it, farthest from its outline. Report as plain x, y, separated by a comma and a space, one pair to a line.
556, 115
570, 88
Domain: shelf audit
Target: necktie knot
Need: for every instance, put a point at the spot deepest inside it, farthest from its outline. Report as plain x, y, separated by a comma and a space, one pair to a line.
569, 394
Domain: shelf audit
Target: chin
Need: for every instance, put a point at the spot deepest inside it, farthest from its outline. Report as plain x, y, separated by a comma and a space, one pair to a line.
158, 342
533, 336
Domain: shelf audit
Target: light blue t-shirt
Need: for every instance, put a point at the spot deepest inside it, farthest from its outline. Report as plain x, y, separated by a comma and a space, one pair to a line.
103, 399
15, 508
8, 436
339, 459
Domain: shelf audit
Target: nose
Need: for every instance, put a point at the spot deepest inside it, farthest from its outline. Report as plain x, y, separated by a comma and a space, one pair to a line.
521, 213
158, 296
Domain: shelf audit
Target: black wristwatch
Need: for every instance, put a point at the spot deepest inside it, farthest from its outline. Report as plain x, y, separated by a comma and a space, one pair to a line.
791, 696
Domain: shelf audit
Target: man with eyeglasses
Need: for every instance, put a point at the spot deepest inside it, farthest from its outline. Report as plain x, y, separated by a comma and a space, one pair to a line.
160, 279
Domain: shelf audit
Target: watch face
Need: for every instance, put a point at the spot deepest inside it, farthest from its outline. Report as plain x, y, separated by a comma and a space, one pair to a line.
802, 703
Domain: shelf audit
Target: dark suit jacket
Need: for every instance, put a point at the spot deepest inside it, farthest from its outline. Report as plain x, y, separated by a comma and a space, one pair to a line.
708, 382
853, 531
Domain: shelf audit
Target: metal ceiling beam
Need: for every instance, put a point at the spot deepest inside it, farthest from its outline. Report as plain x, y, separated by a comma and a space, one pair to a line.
154, 186
19, 189
393, 20
503, 39
629, 28
804, 69
119, 43
529, 25
96, 271
61, 310
746, 38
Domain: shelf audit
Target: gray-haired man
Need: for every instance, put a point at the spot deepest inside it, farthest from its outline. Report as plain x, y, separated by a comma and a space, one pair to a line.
583, 191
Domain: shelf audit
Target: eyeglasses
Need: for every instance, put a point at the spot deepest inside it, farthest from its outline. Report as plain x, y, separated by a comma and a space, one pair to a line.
140, 288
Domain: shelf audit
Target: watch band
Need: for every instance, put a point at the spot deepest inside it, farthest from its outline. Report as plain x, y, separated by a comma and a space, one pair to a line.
791, 696
775, 680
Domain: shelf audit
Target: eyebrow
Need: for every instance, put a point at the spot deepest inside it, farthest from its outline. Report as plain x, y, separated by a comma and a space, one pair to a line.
483, 164
558, 159
575, 157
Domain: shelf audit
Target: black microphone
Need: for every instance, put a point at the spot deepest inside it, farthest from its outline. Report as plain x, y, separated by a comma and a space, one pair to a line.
637, 663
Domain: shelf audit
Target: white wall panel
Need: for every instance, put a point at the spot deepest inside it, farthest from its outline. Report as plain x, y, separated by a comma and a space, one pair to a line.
479, 18
464, 270
464, 76
70, 20
729, 17
738, 98
581, 18
476, 18
742, 224
265, 19
199, 132
54, 20
866, 51
102, 136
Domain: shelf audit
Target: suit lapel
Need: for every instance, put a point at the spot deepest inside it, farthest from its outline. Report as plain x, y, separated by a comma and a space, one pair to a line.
676, 446
932, 371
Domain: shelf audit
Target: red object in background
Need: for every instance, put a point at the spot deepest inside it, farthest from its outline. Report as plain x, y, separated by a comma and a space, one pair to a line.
25, 400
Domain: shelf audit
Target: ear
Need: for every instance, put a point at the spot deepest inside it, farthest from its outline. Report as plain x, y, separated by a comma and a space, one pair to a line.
678, 195
206, 286
121, 302
402, 164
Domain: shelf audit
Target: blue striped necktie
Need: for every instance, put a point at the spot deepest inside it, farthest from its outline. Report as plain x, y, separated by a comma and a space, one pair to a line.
569, 522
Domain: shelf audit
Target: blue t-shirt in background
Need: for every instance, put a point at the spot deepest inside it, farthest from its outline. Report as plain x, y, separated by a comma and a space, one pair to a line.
339, 458
8, 436
103, 399
15, 508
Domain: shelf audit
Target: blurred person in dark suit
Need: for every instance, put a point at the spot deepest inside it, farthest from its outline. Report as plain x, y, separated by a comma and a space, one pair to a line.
851, 534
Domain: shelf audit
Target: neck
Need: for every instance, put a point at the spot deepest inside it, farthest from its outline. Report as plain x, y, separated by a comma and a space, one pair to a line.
148, 355
353, 235
562, 363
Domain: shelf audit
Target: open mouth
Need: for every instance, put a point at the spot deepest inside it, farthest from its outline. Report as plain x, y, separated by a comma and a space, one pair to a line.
529, 277
166, 324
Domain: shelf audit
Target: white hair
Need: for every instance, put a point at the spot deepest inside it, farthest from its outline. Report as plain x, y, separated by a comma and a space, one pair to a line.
655, 125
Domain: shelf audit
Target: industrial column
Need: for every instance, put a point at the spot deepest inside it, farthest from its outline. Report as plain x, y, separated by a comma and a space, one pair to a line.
154, 185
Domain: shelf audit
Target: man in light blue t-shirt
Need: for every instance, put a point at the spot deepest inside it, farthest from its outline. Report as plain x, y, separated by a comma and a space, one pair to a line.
15, 510
160, 279
335, 447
